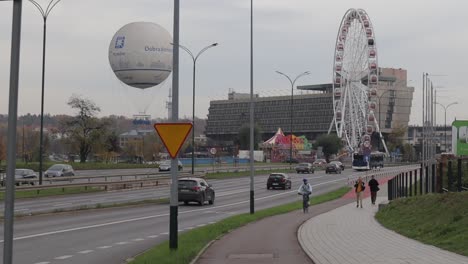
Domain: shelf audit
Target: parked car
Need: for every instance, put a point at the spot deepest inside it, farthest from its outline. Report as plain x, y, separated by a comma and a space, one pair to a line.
333, 167
279, 180
304, 167
59, 170
339, 163
320, 163
195, 190
22, 176
166, 165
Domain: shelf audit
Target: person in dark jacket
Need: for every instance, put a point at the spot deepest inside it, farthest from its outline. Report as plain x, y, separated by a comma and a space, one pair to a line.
374, 188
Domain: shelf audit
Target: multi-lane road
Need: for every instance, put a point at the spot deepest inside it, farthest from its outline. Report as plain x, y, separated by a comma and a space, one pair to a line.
115, 234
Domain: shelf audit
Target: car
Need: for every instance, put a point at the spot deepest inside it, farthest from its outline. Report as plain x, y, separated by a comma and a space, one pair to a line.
59, 170
166, 166
338, 163
304, 167
26, 176
320, 163
333, 167
22, 176
279, 180
195, 190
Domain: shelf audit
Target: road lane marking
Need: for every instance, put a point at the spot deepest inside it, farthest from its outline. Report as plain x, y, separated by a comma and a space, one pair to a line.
44, 262
64, 257
200, 225
104, 247
153, 236
211, 223
86, 251
160, 215
138, 239
122, 243
190, 227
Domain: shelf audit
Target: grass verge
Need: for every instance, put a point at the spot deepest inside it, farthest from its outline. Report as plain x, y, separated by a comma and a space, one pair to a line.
223, 175
436, 219
52, 192
194, 240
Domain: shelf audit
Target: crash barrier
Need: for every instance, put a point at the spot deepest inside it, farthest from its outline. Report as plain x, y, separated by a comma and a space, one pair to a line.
111, 185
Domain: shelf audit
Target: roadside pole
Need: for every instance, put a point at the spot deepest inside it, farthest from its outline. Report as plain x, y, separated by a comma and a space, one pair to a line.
12, 122
173, 221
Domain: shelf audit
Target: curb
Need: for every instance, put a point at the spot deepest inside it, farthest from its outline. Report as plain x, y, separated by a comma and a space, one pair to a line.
195, 259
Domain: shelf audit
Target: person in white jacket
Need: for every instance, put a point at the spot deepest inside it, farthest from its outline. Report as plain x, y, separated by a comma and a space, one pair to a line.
305, 190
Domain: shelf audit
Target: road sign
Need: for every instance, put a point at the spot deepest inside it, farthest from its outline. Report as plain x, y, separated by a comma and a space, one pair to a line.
173, 135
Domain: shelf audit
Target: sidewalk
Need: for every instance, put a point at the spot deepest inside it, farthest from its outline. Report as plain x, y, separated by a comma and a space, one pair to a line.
270, 240
350, 235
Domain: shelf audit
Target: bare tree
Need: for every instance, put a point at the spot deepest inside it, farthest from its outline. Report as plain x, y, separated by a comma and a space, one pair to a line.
84, 129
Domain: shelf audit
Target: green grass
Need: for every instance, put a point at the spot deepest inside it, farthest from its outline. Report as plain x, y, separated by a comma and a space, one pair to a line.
52, 192
436, 219
193, 241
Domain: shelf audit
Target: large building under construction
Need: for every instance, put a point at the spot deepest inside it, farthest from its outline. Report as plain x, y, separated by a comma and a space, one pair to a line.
311, 113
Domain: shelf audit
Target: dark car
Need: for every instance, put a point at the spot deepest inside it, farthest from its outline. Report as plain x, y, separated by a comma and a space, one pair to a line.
166, 165
293, 160
338, 163
333, 167
22, 176
195, 190
60, 170
304, 167
279, 180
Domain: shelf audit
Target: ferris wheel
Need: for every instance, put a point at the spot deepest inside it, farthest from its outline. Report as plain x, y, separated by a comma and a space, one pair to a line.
355, 76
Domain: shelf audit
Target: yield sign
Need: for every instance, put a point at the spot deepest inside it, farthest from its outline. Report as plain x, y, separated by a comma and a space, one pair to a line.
173, 135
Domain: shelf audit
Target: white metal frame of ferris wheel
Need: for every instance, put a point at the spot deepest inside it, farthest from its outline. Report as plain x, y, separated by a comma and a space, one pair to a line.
351, 71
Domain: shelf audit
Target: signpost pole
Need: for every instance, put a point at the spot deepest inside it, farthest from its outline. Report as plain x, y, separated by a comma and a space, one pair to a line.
173, 223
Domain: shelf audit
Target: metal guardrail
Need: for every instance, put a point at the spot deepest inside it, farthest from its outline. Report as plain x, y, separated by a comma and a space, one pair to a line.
378, 173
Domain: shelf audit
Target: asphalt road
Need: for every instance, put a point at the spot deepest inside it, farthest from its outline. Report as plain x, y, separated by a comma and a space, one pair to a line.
114, 235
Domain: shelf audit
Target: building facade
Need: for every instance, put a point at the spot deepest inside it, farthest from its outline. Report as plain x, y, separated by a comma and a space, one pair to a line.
311, 114
442, 137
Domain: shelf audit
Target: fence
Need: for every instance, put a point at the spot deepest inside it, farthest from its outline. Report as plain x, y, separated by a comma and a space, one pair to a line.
430, 178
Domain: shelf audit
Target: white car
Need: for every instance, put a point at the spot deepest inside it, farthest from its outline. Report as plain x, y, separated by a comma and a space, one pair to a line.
166, 165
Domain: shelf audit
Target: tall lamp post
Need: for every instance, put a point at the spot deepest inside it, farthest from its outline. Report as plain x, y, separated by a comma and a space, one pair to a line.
292, 103
195, 58
445, 122
45, 14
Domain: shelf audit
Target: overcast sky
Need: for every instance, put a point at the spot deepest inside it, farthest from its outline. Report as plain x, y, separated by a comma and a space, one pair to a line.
290, 36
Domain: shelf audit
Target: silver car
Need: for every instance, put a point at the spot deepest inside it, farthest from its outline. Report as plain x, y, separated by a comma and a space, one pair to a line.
60, 170
166, 165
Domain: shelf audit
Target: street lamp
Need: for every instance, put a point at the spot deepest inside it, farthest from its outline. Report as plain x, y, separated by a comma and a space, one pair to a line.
292, 102
45, 14
195, 58
445, 122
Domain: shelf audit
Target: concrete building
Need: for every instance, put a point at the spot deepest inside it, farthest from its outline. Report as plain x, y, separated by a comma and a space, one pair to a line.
312, 112
134, 138
415, 137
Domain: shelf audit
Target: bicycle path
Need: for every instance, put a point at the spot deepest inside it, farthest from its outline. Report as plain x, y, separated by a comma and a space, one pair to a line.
271, 240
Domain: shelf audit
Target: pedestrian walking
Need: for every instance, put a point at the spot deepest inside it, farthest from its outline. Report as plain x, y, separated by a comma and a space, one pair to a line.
374, 188
305, 190
359, 188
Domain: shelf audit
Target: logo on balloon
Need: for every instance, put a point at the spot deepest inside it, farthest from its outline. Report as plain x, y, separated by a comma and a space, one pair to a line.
120, 42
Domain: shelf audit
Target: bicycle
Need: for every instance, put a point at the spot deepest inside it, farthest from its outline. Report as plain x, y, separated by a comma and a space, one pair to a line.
305, 201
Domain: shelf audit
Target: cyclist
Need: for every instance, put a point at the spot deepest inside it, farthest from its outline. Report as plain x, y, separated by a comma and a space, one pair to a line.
305, 190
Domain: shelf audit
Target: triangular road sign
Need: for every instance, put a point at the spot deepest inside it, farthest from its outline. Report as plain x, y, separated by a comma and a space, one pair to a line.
173, 135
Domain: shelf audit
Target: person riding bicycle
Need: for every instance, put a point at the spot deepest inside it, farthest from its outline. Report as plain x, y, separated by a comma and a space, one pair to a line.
305, 190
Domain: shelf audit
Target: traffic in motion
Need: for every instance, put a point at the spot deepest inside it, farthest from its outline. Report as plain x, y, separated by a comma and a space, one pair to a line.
121, 233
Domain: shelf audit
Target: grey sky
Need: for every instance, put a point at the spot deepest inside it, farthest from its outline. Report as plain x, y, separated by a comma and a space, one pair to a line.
291, 36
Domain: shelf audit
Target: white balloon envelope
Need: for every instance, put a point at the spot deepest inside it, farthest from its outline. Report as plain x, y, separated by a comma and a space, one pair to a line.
140, 54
